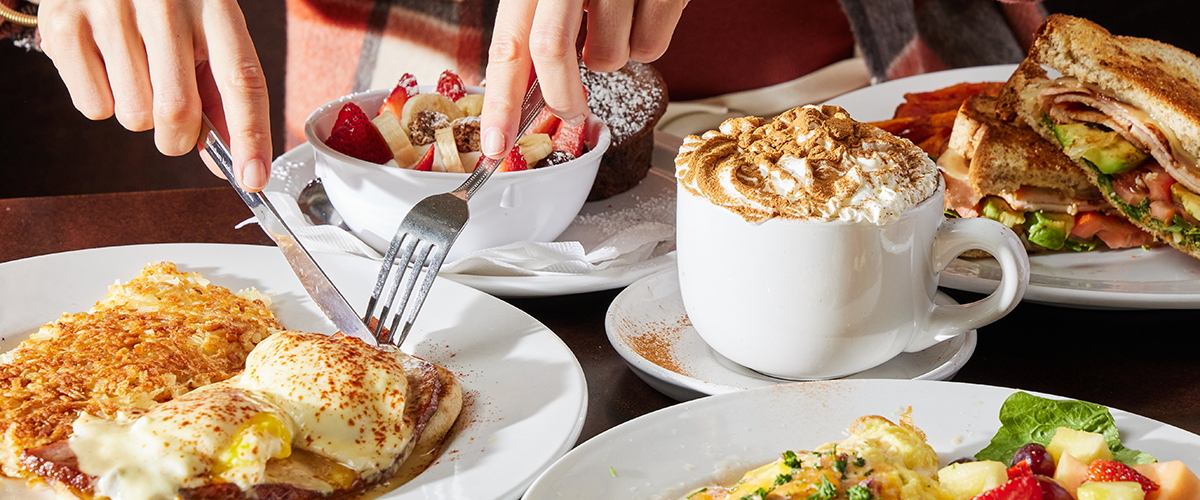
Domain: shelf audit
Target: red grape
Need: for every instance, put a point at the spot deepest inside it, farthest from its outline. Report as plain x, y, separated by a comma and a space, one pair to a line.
1038, 458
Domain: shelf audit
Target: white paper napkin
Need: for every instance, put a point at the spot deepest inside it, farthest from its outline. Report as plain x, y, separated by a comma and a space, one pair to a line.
622, 243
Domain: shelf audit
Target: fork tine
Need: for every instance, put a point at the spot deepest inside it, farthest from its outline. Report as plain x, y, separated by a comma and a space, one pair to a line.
410, 280
385, 268
430, 275
411, 242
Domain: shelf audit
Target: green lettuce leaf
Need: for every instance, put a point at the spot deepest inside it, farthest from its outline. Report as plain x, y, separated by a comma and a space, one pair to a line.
1026, 418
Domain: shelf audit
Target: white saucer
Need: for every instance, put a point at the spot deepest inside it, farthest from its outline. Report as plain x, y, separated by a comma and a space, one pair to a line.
649, 327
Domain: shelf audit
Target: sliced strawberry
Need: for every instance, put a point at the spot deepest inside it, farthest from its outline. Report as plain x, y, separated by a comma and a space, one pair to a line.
354, 135
569, 139
405, 88
545, 122
451, 85
513, 162
1021, 469
1111, 470
1021, 488
426, 162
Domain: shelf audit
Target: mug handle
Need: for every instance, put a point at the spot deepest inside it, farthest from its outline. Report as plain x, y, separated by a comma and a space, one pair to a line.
954, 236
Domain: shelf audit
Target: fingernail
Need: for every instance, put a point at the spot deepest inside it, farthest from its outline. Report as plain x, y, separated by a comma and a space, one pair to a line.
576, 121
493, 142
255, 174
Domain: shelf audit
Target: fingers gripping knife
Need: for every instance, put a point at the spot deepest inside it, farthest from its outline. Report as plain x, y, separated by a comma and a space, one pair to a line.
318, 286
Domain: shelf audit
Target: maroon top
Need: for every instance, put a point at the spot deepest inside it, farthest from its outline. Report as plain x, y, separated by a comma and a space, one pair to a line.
772, 48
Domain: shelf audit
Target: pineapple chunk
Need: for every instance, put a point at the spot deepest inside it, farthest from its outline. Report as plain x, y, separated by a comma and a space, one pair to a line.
470, 104
396, 138
1083, 445
1118, 490
534, 147
448, 150
965, 480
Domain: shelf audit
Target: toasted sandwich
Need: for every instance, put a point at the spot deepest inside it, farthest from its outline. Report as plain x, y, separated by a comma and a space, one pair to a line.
1125, 110
1006, 172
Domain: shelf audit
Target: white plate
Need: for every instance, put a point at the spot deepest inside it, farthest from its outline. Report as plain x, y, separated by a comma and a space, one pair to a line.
524, 391
1133, 278
651, 200
648, 326
667, 453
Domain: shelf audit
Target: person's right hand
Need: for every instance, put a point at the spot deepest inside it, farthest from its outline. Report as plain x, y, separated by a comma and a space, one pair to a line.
541, 34
159, 64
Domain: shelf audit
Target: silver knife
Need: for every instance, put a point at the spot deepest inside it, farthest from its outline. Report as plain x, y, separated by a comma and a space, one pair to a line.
318, 286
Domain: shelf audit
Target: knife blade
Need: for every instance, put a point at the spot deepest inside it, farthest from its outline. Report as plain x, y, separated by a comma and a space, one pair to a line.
315, 282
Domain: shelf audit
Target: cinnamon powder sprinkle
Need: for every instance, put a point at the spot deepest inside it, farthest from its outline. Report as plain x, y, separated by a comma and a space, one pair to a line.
810, 162
656, 342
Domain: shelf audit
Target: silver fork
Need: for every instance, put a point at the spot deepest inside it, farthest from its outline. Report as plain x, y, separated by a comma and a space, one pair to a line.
425, 236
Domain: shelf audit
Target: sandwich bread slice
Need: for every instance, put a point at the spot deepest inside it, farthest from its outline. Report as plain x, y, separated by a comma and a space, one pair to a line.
1004, 171
1127, 111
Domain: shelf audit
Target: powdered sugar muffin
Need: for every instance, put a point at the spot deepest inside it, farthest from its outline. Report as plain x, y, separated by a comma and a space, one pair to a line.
630, 100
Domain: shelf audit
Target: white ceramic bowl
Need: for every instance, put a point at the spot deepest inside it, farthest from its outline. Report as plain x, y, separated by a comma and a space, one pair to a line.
530, 205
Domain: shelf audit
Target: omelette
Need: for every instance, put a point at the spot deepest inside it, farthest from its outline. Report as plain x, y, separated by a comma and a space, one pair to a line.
880, 460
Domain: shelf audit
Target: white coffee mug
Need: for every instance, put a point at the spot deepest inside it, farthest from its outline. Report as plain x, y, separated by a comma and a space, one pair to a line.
823, 299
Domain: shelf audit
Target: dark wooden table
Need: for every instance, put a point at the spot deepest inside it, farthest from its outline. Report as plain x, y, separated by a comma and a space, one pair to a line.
1144, 362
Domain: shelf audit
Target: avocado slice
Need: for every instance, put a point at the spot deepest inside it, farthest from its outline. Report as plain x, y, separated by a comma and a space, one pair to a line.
997, 209
1107, 150
1185, 197
1049, 230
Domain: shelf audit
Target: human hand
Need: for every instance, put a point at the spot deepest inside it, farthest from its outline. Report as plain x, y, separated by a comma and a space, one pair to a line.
159, 64
542, 35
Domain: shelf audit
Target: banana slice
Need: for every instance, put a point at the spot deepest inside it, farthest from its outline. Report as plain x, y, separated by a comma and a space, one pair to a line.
534, 147
447, 150
428, 102
470, 104
396, 137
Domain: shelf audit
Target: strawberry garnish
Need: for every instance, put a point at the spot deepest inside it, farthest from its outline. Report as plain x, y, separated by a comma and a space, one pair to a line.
1021, 469
405, 88
450, 85
1021, 488
1112, 470
546, 122
426, 163
569, 139
513, 162
354, 135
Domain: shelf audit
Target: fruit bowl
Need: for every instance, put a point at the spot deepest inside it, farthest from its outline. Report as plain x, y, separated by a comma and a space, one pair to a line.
528, 205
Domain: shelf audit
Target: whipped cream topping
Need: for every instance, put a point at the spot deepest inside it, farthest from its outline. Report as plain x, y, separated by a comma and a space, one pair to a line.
809, 163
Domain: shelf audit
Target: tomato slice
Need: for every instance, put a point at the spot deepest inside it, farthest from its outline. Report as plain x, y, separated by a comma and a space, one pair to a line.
1128, 189
1113, 231
1158, 183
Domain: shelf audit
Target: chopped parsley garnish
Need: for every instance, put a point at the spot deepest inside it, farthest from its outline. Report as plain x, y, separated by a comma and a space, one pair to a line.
869, 472
791, 460
859, 492
783, 478
824, 492
697, 492
859, 461
612, 471
760, 494
839, 465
